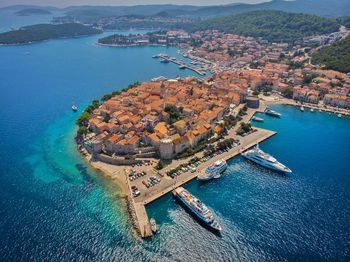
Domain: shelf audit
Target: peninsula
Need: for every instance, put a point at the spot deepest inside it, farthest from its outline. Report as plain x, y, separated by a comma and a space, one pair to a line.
42, 32
32, 11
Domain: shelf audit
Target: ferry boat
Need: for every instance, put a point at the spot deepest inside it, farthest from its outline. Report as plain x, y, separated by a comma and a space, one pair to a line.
272, 113
261, 158
74, 108
257, 119
152, 221
213, 171
196, 208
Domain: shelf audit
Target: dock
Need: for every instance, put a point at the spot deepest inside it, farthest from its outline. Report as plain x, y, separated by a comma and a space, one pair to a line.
180, 63
167, 184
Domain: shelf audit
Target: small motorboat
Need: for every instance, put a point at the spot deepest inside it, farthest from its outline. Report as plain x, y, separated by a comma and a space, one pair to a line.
257, 119
312, 110
74, 108
302, 109
152, 221
339, 115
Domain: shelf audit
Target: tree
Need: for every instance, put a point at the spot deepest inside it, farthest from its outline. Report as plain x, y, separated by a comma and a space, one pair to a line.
82, 130
231, 52
106, 118
288, 92
95, 103
83, 119
106, 97
160, 165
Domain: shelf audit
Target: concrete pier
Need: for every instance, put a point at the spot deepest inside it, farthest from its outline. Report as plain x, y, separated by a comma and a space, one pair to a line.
167, 184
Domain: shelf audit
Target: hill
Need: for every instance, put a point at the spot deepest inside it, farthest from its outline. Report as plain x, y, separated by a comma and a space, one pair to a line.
335, 57
316, 7
271, 25
32, 11
42, 32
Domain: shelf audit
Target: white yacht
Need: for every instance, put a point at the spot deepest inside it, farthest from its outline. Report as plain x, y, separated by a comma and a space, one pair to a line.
260, 157
214, 171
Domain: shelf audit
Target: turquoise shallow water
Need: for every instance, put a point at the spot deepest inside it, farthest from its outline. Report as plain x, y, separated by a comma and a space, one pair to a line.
54, 208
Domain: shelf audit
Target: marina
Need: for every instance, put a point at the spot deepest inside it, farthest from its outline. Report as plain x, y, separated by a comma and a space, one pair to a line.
166, 59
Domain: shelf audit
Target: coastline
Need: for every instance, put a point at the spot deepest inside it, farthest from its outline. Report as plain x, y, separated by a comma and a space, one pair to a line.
47, 40
131, 45
137, 205
103, 168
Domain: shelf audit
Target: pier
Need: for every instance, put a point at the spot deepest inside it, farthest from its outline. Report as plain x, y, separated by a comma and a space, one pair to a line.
137, 205
168, 184
180, 63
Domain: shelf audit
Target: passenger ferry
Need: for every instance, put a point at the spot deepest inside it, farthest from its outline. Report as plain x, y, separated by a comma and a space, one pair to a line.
261, 158
214, 171
272, 113
196, 208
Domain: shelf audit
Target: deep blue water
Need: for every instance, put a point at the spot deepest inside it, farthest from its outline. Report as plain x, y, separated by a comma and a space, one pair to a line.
54, 208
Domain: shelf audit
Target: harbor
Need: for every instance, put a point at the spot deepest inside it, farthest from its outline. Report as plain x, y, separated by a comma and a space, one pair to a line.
180, 63
137, 205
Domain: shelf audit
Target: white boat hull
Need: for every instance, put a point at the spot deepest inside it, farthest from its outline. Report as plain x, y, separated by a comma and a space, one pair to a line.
286, 170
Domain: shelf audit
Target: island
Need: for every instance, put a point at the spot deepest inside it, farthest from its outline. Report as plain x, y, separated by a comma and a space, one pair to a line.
32, 11
42, 32
155, 136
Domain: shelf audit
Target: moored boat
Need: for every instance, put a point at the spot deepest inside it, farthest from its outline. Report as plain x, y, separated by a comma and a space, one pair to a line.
74, 108
261, 158
257, 119
213, 171
153, 224
273, 113
339, 115
164, 61
196, 208
302, 109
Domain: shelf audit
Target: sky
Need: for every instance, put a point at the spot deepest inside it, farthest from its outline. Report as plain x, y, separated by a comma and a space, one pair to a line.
64, 3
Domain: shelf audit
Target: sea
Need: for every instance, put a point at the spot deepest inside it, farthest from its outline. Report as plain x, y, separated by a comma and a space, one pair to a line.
54, 207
